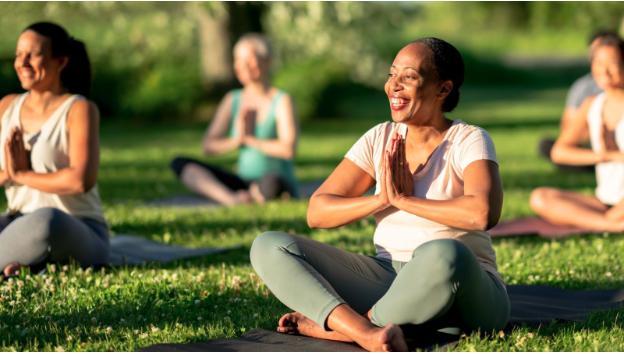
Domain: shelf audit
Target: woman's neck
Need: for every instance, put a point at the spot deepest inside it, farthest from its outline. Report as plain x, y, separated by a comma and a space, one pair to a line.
428, 130
258, 88
616, 93
42, 100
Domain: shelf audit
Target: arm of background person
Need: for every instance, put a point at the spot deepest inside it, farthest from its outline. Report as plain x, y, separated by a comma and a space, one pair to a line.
83, 123
478, 209
4, 105
215, 139
339, 200
285, 145
574, 100
566, 150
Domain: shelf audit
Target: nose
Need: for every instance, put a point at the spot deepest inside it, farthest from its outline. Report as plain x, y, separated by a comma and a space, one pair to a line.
23, 61
395, 84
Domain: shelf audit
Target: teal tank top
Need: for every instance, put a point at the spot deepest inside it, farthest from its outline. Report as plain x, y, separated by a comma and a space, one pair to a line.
252, 163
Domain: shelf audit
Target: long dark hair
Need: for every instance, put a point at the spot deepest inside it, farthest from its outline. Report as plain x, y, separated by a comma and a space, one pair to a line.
76, 76
448, 65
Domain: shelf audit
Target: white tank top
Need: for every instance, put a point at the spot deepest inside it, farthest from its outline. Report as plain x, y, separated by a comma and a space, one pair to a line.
49, 153
609, 175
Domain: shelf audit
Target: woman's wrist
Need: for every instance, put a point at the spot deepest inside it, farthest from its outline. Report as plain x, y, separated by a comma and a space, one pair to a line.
20, 176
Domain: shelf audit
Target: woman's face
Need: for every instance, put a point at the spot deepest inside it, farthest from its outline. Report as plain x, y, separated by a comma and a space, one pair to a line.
412, 87
247, 65
608, 67
34, 64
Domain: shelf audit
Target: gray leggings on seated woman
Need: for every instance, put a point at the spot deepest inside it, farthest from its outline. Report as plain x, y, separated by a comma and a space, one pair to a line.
442, 287
50, 235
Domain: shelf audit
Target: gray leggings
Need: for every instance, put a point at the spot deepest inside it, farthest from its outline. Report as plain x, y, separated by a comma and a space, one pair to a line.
442, 287
50, 235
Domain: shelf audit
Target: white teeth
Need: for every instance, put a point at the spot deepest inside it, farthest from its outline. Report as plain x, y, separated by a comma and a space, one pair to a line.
398, 101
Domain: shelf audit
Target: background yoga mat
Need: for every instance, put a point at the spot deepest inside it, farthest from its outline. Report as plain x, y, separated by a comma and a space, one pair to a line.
134, 250
536, 226
532, 305
196, 201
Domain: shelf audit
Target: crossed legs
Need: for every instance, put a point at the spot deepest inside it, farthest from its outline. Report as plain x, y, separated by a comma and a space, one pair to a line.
574, 209
349, 297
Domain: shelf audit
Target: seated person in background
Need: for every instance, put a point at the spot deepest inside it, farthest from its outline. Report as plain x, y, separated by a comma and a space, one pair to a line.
438, 191
50, 156
260, 121
582, 88
600, 117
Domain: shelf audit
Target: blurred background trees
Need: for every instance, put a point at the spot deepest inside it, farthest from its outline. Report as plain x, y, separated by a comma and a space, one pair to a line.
171, 61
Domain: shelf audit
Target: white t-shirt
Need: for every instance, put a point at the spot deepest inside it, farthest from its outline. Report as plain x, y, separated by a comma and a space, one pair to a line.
399, 233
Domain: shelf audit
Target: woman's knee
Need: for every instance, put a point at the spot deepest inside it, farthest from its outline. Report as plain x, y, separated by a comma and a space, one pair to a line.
267, 243
540, 197
446, 258
272, 186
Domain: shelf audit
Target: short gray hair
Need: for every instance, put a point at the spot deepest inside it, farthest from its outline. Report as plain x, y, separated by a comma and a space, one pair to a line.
260, 43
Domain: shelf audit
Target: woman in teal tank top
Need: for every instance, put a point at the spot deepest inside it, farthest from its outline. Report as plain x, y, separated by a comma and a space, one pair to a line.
259, 120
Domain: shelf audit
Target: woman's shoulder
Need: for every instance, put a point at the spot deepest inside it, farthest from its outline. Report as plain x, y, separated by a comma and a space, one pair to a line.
82, 108
6, 102
464, 132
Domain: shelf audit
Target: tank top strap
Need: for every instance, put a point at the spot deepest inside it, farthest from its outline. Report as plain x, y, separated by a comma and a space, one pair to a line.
236, 101
271, 116
12, 115
63, 111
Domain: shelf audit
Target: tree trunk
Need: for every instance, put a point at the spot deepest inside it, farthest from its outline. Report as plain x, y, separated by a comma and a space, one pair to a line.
215, 45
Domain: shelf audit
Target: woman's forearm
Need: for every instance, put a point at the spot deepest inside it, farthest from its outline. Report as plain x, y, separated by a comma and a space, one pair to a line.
64, 182
572, 155
328, 211
466, 212
220, 146
272, 147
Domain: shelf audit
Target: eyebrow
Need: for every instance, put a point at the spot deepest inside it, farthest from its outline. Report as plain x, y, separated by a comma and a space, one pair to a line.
405, 67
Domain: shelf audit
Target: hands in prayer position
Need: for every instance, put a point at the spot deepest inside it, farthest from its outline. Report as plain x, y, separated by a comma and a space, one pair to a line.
396, 176
16, 157
245, 125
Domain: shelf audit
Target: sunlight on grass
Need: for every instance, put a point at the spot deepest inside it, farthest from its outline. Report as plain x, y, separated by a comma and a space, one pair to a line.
220, 295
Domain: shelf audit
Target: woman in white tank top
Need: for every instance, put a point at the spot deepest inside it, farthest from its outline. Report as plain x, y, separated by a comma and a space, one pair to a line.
602, 116
49, 156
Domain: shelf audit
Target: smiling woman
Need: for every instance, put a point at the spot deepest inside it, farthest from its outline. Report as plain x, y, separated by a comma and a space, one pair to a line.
437, 192
50, 156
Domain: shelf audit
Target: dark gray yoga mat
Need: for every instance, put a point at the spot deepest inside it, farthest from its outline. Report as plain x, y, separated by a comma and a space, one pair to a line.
194, 201
134, 250
536, 226
532, 305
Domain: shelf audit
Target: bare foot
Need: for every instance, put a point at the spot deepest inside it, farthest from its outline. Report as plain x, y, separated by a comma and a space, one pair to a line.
254, 192
12, 269
387, 339
296, 323
242, 197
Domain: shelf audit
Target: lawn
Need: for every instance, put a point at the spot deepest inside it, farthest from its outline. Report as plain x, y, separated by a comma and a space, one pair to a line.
217, 296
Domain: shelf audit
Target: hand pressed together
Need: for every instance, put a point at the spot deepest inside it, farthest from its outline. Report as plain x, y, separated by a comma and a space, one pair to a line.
396, 177
16, 157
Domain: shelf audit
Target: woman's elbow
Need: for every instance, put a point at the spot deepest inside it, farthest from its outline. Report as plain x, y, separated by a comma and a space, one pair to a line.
312, 219
484, 220
557, 154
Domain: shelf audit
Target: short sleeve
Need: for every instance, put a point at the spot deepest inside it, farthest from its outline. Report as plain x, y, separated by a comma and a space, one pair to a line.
478, 145
582, 88
363, 151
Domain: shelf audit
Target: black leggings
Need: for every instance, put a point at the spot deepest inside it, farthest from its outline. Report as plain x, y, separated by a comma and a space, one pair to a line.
271, 185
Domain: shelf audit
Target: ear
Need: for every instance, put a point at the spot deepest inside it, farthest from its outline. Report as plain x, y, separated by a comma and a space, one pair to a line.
63, 61
445, 89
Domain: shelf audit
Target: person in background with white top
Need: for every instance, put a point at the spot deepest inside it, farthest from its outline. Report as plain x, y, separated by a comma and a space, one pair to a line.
602, 122
438, 191
50, 156
583, 87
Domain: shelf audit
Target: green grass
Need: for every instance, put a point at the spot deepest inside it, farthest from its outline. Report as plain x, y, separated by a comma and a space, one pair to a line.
219, 295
